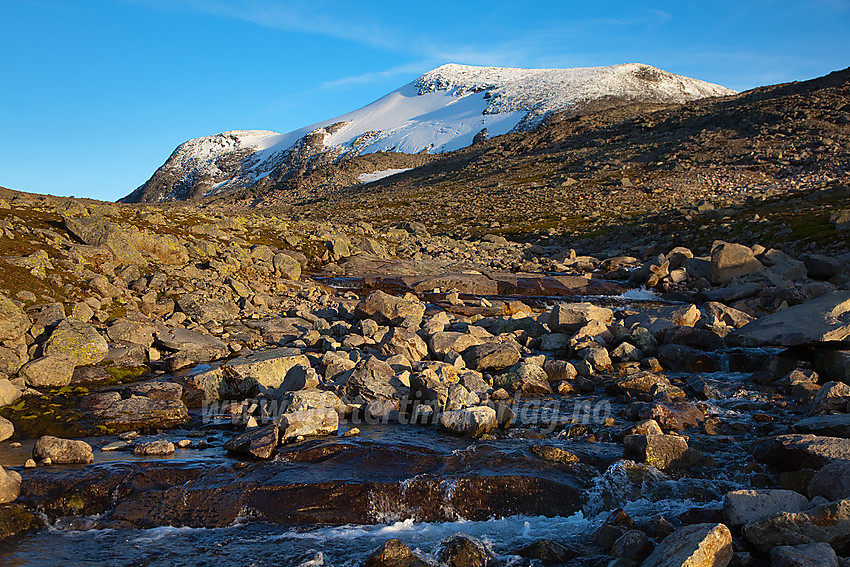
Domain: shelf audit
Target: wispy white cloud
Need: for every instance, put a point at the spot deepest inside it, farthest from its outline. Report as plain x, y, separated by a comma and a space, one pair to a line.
377, 76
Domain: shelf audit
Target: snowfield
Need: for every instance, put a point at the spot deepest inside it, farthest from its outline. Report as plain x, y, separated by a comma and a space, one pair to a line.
440, 111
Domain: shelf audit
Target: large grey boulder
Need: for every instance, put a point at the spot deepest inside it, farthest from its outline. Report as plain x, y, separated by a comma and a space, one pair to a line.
744, 506
372, 379
470, 422
405, 342
308, 422
51, 371
824, 319
570, 317
660, 451
729, 260
62, 451
829, 523
386, 309
491, 356
834, 425
262, 372
7, 429
78, 339
10, 486
286, 267
203, 310
126, 330
831, 482
698, 545
192, 347
806, 555
9, 393
13, 321
795, 451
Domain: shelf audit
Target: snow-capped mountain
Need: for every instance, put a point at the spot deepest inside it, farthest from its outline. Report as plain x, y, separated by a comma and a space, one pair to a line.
443, 110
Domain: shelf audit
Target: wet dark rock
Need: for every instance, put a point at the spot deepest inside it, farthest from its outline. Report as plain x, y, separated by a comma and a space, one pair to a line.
465, 551
16, 519
675, 416
796, 451
324, 482
554, 454
632, 546
702, 339
62, 451
393, 553
806, 555
660, 451
835, 425
258, 442
549, 552
687, 359
832, 482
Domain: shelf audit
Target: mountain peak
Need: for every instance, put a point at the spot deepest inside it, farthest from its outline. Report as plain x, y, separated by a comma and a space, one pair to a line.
442, 110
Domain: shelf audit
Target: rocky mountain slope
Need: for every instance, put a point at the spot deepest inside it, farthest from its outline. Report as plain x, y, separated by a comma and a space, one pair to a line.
443, 110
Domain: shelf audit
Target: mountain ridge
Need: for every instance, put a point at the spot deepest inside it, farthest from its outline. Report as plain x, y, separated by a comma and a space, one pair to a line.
442, 110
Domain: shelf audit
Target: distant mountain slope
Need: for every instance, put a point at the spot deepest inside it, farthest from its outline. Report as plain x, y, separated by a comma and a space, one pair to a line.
443, 110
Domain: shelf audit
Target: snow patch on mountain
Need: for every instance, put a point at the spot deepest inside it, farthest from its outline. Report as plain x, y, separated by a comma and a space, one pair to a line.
380, 174
441, 111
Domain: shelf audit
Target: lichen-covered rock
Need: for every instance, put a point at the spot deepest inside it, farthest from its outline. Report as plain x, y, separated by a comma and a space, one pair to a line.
203, 309
9, 393
13, 321
660, 451
286, 267
78, 339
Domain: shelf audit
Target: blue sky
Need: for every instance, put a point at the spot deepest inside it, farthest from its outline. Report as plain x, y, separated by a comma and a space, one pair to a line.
95, 94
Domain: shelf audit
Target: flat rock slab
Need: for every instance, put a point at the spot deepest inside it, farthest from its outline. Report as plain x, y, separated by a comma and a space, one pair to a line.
745, 506
798, 451
829, 523
316, 482
835, 425
824, 319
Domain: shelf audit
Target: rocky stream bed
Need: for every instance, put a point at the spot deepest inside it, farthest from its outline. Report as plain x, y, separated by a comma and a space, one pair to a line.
450, 402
